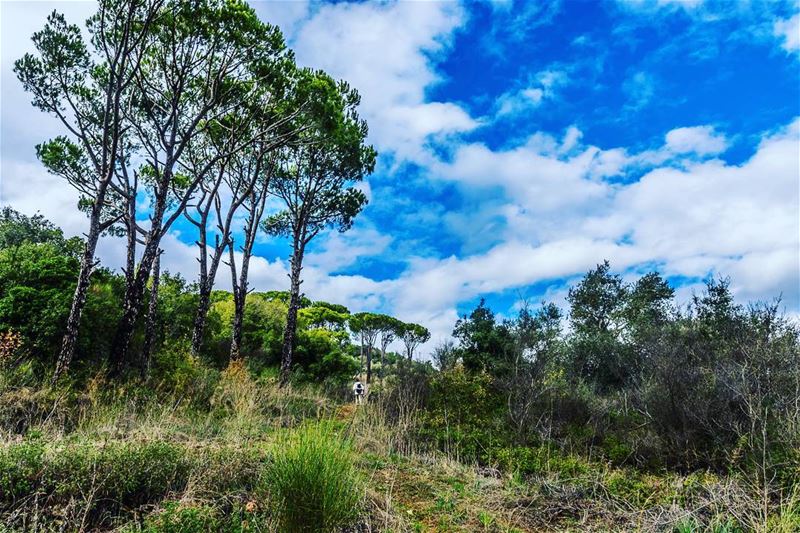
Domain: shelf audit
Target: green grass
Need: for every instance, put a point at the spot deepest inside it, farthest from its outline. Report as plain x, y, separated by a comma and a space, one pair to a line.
312, 480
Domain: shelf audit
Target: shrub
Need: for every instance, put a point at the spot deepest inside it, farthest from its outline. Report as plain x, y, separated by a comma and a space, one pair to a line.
20, 466
175, 371
312, 481
103, 480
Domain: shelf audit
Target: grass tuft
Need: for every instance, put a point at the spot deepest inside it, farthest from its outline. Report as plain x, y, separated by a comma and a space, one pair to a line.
313, 481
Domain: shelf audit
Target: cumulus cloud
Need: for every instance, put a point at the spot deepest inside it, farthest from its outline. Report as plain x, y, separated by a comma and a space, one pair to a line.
386, 50
693, 220
701, 140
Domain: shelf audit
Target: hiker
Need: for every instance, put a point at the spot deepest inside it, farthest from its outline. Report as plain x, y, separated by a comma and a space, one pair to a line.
358, 391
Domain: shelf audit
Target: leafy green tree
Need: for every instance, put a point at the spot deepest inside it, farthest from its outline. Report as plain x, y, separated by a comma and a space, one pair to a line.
596, 311
484, 344
412, 336
35, 285
17, 229
316, 181
202, 64
390, 328
367, 326
86, 90
325, 316
538, 334
647, 306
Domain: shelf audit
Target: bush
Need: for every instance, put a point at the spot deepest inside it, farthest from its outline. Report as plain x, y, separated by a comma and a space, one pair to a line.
20, 465
175, 371
313, 482
102, 480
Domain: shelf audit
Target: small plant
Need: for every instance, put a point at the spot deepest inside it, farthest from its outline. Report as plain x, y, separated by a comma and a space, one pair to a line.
312, 481
485, 519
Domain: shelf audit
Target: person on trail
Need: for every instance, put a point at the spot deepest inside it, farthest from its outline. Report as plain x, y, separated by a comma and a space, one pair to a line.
358, 392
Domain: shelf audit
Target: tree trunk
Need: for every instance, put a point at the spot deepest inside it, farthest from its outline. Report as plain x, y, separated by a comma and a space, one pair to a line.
361, 360
132, 304
134, 290
78, 299
198, 329
369, 364
204, 288
204, 303
383, 362
152, 310
239, 297
291, 316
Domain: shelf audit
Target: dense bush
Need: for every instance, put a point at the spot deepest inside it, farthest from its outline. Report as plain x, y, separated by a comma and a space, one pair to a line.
107, 479
635, 378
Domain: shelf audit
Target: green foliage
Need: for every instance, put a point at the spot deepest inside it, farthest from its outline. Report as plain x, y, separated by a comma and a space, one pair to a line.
313, 482
484, 345
540, 460
175, 371
36, 285
464, 414
20, 466
17, 229
177, 518
119, 474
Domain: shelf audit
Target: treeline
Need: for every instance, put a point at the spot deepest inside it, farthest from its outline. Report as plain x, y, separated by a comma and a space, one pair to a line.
194, 110
628, 376
38, 267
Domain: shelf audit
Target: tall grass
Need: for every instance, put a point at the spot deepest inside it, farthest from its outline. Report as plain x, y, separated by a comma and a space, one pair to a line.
312, 481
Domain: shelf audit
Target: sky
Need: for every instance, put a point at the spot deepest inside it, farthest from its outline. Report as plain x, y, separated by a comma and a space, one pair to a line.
521, 143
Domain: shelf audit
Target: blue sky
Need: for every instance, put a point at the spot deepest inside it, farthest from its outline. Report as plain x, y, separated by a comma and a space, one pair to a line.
522, 143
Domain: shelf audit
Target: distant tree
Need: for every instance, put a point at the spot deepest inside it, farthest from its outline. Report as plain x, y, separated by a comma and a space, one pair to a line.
333, 307
316, 182
17, 229
412, 336
596, 315
390, 328
86, 90
538, 334
324, 316
445, 355
484, 344
285, 297
367, 326
647, 306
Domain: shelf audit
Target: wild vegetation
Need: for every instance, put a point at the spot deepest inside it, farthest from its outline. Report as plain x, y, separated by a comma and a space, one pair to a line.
628, 413
140, 401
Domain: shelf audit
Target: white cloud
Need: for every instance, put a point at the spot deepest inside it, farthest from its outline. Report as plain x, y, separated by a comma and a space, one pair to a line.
703, 217
386, 51
701, 140
542, 86
788, 31
339, 250
512, 103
